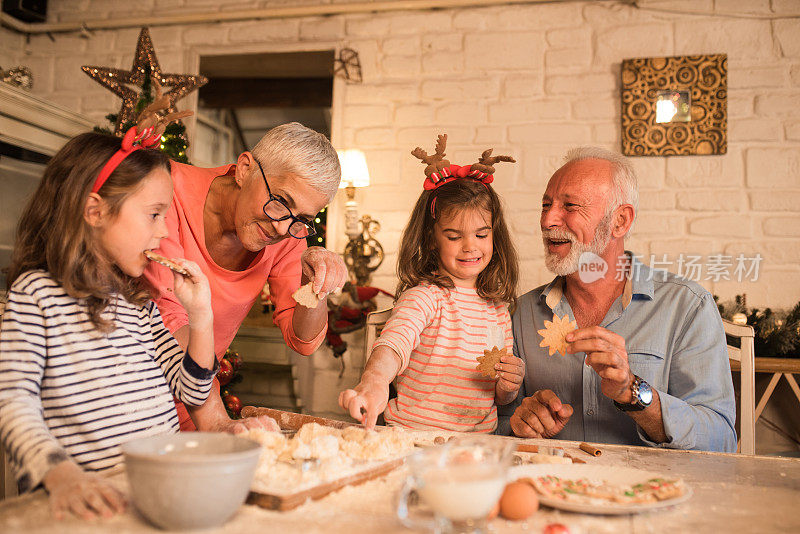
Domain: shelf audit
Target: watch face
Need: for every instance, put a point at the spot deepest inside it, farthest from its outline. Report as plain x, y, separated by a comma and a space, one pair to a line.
645, 393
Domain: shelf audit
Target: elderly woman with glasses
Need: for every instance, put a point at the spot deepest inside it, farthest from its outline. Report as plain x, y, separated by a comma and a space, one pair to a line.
245, 225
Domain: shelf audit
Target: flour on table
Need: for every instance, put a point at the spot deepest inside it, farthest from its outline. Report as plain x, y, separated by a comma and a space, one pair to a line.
317, 454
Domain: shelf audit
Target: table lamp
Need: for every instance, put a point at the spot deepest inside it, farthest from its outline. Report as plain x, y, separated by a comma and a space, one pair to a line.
362, 254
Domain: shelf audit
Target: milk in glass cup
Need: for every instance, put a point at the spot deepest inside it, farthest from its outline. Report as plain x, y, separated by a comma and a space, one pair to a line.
458, 482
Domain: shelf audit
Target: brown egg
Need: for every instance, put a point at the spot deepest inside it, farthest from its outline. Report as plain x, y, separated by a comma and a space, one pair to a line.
519, 501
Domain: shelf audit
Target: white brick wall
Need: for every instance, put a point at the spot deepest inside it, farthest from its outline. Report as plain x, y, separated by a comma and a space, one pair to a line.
530, 80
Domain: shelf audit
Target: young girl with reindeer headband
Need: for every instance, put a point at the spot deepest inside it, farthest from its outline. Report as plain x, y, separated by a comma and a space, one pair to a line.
458, 276
86, 363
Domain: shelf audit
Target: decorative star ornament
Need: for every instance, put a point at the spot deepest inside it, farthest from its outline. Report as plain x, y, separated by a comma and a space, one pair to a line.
117, 80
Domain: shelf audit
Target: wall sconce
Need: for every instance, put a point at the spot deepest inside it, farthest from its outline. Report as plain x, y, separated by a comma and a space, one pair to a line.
362, 254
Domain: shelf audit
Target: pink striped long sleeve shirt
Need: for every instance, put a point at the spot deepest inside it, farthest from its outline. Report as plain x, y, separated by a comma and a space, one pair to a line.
439, 334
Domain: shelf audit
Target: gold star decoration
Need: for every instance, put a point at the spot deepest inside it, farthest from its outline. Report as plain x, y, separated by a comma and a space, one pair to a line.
117, 80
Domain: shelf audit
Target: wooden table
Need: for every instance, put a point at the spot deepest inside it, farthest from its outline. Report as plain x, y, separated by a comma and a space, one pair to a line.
732, 493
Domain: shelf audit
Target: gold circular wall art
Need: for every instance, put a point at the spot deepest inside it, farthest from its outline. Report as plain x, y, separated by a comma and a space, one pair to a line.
702, 81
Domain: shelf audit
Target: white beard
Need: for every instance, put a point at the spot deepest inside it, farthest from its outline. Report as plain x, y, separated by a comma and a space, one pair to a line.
569, 263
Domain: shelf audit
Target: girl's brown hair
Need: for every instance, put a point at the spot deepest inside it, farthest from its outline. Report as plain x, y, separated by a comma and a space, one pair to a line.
418, 260
53, 235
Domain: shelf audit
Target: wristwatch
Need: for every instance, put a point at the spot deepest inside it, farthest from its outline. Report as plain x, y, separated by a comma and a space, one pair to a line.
642, 396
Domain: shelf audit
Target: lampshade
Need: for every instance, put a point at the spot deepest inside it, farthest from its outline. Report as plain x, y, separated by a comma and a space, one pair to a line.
354, 168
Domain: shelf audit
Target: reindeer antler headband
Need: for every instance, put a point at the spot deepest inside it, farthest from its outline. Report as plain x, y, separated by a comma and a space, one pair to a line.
440, 171
146, 134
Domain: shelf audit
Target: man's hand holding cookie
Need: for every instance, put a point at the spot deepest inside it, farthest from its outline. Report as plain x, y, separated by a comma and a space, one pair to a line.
606, 354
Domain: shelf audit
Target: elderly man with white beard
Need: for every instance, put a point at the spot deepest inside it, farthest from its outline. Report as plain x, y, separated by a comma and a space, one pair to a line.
648, 363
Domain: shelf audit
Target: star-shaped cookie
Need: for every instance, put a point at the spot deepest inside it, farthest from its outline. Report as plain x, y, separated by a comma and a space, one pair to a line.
554, 334
489, 359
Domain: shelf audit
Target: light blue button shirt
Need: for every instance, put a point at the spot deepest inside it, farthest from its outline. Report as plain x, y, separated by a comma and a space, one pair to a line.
675, 341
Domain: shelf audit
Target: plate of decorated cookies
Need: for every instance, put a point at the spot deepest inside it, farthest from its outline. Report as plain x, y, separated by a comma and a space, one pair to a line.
601, 489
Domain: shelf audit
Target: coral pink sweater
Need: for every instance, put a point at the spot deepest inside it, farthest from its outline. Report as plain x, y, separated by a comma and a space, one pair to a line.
232, 292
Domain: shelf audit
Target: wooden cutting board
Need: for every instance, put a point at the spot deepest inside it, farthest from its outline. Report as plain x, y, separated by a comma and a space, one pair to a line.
293, 500
293, 421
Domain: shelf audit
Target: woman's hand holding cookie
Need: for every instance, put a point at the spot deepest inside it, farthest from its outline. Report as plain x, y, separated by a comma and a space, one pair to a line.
325, 269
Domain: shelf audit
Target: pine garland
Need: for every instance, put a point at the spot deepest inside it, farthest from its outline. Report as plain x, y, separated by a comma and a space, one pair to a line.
777, 333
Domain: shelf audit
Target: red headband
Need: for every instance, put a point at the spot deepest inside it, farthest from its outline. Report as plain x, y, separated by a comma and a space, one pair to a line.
132, 142
440, 171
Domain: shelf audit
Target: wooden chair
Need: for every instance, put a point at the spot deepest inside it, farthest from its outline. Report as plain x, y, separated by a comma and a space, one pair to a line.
744, 359
375, 322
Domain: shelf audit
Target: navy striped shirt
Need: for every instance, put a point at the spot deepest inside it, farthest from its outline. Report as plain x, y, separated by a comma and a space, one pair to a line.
69, 391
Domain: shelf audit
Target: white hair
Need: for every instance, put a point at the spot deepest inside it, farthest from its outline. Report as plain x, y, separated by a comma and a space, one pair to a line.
624, 181
295, 149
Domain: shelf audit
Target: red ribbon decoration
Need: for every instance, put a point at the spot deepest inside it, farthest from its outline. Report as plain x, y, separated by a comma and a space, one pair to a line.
454, 172
132, 142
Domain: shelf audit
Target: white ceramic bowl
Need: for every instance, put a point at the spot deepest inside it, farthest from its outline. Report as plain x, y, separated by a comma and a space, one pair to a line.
190, 480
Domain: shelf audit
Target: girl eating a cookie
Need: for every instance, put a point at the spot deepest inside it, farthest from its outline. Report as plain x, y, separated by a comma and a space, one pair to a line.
447, 344
86, 363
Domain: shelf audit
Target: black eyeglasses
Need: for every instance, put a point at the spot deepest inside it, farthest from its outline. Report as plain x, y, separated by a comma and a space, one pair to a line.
277, 210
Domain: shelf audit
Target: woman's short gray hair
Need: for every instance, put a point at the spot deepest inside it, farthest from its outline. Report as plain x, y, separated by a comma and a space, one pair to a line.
626, 187
295, 149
